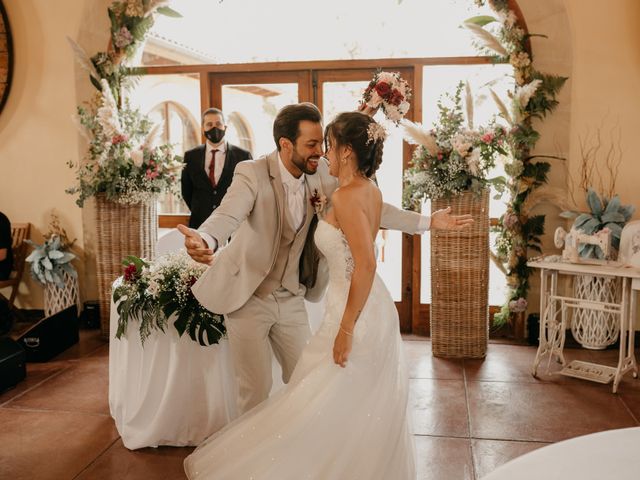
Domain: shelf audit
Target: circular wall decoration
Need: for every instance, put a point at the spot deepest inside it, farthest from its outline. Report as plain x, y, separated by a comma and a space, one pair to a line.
6, 56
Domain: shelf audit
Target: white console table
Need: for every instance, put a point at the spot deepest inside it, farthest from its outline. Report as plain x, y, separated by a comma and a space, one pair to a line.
553, 318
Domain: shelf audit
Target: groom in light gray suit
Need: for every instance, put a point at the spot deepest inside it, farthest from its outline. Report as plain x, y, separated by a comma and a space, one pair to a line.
259, 279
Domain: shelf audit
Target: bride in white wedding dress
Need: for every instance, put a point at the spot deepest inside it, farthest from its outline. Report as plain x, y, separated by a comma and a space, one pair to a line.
343, 414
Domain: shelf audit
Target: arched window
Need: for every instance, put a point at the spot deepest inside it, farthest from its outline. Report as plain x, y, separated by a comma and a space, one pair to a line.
179, 127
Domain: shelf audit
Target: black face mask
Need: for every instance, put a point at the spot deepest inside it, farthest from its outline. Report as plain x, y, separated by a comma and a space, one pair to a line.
214, 135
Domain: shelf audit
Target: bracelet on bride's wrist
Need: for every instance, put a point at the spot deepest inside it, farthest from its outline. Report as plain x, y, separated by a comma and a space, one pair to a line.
346, 331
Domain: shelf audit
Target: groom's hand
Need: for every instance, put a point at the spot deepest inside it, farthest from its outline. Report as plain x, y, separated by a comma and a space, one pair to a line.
443, 220
196, 247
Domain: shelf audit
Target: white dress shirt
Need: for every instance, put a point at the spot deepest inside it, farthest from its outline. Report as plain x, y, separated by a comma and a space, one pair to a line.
294, 192
220, 156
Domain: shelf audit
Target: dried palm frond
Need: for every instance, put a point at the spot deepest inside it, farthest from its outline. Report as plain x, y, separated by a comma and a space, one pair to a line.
487, 39
151, 136
154, 5
469, 104
501, 106
416, 134
553, 195
83, 59
498, 263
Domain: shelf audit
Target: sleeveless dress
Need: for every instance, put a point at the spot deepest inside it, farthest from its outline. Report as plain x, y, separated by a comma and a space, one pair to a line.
328, 423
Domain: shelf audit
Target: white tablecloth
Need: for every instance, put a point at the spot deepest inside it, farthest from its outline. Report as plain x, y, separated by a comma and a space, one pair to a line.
172, 391
610, 455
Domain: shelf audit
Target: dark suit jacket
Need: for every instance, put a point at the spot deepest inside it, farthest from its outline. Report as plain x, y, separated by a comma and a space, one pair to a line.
201, 198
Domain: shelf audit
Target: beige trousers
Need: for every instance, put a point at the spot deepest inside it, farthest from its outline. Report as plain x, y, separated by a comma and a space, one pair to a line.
276, 322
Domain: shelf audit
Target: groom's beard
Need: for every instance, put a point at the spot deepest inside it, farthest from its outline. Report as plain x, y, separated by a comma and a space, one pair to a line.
308, 165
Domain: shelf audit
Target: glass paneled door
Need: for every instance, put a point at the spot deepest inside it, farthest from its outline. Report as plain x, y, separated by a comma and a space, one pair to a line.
339, 91
250, 102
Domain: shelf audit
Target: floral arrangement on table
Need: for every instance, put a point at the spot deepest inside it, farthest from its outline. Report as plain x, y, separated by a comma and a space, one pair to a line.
534, 97
52, 259
452, 158
389, 91
122, 161
153, 292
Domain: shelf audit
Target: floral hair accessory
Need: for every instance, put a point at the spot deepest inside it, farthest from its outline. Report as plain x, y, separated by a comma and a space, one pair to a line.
376, 132
389, 91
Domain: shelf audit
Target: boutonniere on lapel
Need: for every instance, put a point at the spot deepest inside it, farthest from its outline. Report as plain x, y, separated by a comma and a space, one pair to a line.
318, 201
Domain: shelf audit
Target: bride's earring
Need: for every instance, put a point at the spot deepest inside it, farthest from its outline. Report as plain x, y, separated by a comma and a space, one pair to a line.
343, 161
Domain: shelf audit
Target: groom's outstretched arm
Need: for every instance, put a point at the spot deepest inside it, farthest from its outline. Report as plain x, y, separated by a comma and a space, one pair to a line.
394, 218
236, 205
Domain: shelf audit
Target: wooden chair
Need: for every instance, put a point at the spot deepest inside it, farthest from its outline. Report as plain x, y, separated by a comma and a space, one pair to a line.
19, 233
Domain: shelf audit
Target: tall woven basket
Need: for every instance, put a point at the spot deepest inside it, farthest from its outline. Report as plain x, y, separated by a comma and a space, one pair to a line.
460, 281
121, 230
57, 298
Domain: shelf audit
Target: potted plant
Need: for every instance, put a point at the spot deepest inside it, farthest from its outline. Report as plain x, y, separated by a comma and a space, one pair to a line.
51, 267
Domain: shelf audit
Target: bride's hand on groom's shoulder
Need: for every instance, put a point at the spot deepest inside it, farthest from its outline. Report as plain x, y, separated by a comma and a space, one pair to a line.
196, 247
443, 220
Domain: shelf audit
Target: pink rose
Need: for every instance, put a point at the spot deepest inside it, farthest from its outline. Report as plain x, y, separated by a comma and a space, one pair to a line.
120, 138
487, 138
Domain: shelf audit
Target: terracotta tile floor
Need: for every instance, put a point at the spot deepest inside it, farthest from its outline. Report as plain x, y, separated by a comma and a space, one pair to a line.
469, 417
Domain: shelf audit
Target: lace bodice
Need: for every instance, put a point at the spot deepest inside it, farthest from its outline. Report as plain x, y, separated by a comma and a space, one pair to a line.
333, 245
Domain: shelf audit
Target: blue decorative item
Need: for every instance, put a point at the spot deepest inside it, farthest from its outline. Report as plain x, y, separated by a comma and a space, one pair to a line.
604, 213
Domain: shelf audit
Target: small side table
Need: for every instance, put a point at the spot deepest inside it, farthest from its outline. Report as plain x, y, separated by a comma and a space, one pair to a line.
553, 318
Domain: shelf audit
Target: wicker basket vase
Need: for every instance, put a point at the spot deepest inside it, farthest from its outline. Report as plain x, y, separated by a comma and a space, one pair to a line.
57, 299
121, 230
593, 329
460, 281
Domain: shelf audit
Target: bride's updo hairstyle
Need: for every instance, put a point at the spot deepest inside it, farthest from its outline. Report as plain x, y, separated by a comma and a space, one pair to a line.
363, 134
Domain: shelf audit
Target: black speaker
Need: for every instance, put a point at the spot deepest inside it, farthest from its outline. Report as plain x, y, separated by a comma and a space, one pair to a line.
533, 327
51, 335
90, 316
12, 363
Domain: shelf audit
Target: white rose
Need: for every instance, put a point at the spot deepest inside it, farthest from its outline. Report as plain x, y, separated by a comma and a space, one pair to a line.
474, 162
137, 157
386, 77
375, 100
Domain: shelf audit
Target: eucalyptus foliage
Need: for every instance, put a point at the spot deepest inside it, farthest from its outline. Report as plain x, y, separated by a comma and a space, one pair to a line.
49, 261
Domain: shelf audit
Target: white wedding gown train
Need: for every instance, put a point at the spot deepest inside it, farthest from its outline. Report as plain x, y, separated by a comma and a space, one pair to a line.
328, 423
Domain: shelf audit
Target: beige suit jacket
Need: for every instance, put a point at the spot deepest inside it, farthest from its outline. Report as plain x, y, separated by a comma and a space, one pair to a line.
252, 214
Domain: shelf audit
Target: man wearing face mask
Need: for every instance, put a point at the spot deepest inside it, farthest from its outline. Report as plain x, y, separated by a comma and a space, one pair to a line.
209, 168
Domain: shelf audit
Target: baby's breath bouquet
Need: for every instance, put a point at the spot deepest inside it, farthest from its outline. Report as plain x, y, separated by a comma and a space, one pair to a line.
122, 161
153, 292
452, 157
